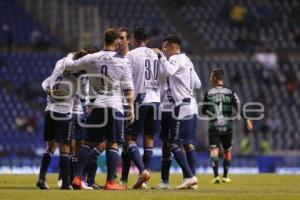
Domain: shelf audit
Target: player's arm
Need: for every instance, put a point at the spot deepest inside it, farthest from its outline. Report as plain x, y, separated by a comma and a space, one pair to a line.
197, 82
127, 85
130, 57
46, 84
80, 64
46, 87
129, 95
237, 106
170, 66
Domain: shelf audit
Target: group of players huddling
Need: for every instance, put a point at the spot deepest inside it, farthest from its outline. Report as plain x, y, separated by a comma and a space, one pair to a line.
99, 99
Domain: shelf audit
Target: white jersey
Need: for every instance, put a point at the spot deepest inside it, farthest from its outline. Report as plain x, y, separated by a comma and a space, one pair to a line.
67, 83
108, 74
145, 71
183, 79
167, 101
78, 104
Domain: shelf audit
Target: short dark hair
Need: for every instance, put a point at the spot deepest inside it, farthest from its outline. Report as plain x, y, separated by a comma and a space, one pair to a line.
218, 73
110, 35
174, 39
80, 53
126, 30
140, 34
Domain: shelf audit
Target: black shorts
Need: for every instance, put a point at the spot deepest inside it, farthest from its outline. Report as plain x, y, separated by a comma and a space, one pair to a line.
105, 124
57, 127
216, 140
183, 130
147, 120
165, 126
78, 131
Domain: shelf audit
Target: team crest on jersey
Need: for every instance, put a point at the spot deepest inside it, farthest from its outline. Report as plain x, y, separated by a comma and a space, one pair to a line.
172, 62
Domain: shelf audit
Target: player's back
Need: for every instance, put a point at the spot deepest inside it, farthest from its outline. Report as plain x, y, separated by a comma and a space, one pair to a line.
145, 72
221, 101
108, 73
66, 83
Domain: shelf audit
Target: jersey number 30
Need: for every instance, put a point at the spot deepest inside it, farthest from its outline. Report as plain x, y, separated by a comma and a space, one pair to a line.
148, 71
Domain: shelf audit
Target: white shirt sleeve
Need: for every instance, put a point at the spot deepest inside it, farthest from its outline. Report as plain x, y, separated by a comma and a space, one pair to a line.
170, 66
80, 64
84, 87
46, 84
126, 82
197, 82
57, 72
131, 60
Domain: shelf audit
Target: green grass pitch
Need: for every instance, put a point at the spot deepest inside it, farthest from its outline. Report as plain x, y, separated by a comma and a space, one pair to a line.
256, 187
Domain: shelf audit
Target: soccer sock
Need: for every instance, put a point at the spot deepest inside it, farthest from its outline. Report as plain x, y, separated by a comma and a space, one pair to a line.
192, 160
126, 161
92, 165
112, 159
165, 169
82, 156
148, 153
74, 161
226, 166
181, 159
64, 166
215, 165
71, 167
59, 174
46, 159
135, 156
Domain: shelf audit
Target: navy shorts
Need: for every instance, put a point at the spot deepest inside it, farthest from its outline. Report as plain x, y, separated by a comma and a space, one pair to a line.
57, 127
127, 127
78, 131
216, 140
183, 131
165, 126
147, 119
105, 124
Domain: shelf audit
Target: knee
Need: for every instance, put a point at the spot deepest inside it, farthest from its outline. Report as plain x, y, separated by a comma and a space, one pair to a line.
227, 155
189, 147
64, 149
112, 145
148, 141
214, 152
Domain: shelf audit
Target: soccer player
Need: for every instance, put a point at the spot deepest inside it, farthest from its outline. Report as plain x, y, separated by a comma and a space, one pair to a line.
123, 48
80, 114
167, 105
180, 70
57, 124
108, 73
145, 71
219, 102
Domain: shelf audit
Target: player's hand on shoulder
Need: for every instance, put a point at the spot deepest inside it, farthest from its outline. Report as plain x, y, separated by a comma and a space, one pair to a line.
158, 52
